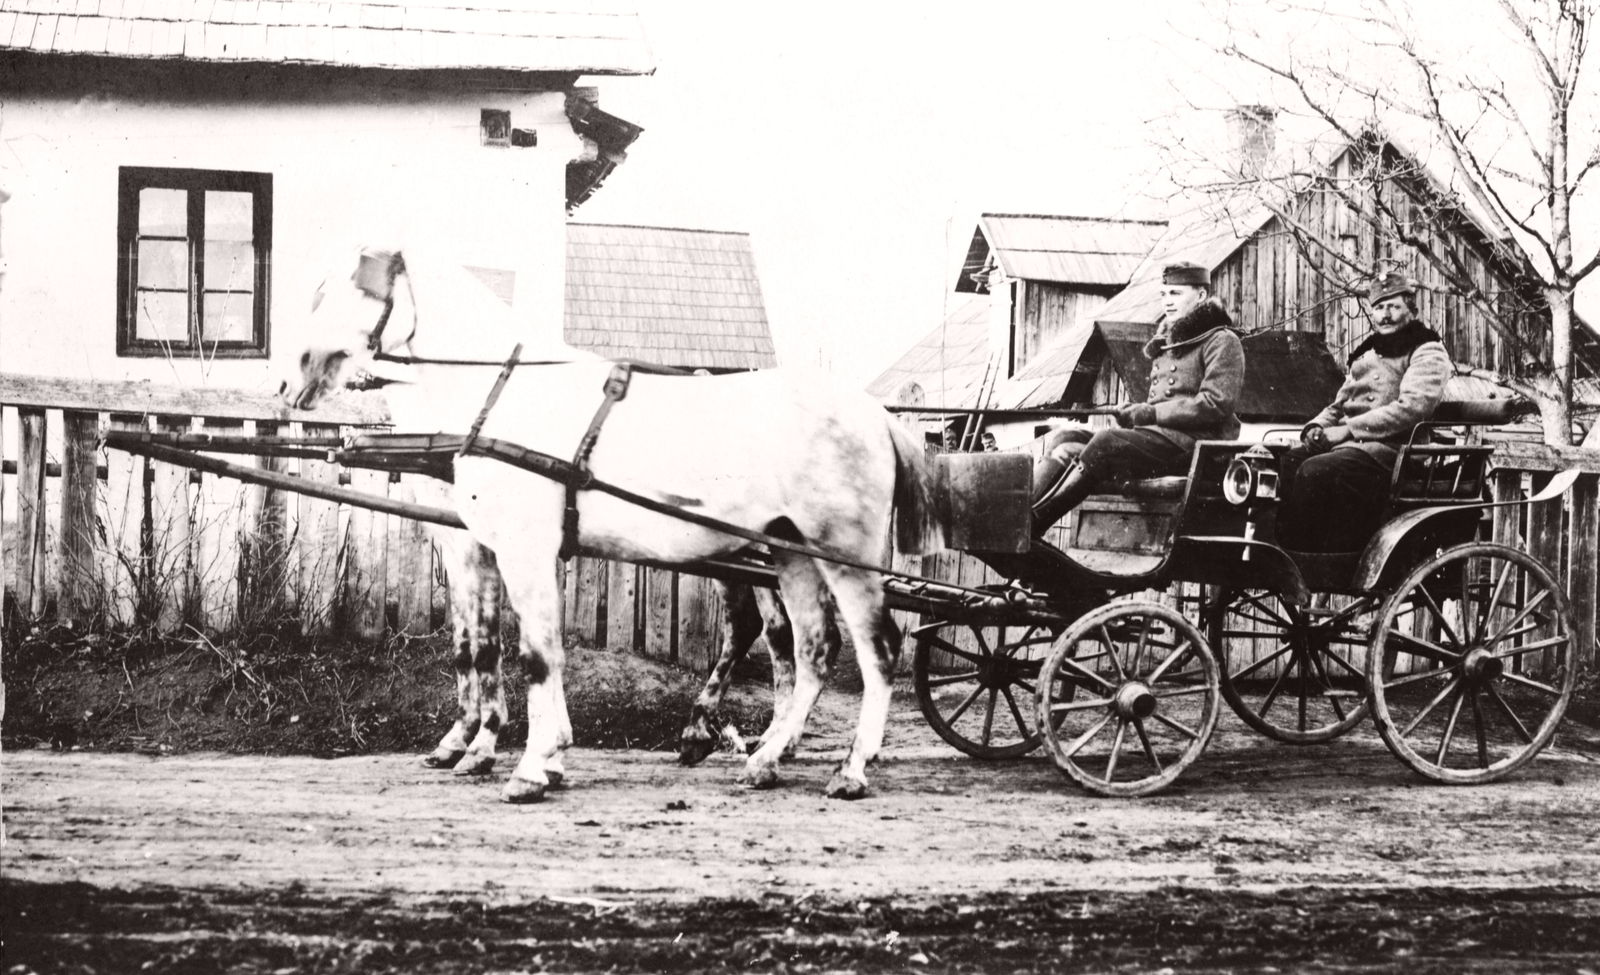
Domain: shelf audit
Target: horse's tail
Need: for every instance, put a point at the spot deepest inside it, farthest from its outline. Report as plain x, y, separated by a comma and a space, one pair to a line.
916, 521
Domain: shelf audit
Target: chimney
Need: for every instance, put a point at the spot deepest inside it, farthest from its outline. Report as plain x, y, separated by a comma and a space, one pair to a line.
1252, 138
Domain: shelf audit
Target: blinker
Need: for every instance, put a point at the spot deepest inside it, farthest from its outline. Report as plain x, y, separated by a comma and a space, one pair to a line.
374, 275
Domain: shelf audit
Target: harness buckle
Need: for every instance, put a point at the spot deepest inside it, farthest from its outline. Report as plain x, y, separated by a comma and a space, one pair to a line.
616, 387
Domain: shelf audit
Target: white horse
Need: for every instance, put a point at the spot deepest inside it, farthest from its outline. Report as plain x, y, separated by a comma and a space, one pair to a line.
793, 456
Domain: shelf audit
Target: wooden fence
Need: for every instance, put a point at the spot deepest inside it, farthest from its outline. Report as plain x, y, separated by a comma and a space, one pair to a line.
99, 537
96, 536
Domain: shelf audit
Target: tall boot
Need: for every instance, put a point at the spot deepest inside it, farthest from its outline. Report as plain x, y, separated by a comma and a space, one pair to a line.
1067, 493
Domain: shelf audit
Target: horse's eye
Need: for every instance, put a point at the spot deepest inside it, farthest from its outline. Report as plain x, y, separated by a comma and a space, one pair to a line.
305, 359
316, 300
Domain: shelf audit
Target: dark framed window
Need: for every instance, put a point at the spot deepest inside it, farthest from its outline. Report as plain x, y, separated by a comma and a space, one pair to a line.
194, 262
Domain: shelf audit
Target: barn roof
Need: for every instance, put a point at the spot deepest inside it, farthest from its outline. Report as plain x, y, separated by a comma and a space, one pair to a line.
946, 367
1201, 238
1090, 251
575, 36
687, 298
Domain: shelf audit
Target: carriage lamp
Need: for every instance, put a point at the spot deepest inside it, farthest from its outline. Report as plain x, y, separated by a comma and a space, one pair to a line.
1251, 476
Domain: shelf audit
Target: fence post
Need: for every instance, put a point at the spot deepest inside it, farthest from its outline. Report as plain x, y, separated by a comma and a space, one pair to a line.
264, 579
410, 565
80, 587
220, 508
1582, 567
699, 623
365, 578
621, 604
127, 545
31, 520
659, 594
319, 542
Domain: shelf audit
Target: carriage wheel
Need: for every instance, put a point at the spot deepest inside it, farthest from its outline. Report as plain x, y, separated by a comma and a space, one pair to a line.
1471, 663
1292, 674
1128, 698
976, 697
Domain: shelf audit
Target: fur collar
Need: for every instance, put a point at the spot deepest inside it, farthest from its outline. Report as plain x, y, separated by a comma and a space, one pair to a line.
1202, 320
1398, 343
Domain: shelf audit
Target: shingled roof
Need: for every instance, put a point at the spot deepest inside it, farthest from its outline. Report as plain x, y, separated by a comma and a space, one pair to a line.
946, 366
575, 36
686, 298
1089, 251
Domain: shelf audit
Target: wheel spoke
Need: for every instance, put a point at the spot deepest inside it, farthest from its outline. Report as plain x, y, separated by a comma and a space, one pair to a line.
1016, 713
1347, 665
1188, 733
1512, 634
956, 651
1099, 702
1116, 660
1438, 614
1422, 647
1327, 685
1527, 608
1511, 716
1494, 600
1414, 678
1423, 714
1144, 740
1554, 641
961, 678
1257, 600
1244, 674
988, 717
1272, 695
1116, 750
1144, 640
1531, 684
962, 708
1181, 692
1089, 674
1183, 650
1449, 732
1084, 739
1483, 739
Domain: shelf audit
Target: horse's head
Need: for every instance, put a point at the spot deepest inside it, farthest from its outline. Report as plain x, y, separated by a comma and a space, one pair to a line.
357, 312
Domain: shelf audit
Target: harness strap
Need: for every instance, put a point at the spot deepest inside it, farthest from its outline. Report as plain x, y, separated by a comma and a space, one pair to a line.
615, 389
494, 397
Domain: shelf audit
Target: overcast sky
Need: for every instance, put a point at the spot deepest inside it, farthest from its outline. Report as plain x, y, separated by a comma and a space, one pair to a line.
857, 142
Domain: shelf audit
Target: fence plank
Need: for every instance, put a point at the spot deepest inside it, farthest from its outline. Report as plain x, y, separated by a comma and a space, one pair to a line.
699, 623
265, 581
125, 513
30, 558
219, 508
79, 600
366, 580
172, 534
588, 586
660, 593
1583, 579
410, 565
622, 588
318, 542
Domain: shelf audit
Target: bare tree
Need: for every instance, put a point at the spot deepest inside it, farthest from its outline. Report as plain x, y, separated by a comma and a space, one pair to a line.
1467, 145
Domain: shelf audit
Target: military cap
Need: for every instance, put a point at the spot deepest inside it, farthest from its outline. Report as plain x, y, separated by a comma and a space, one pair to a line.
1391, 284
1185, 272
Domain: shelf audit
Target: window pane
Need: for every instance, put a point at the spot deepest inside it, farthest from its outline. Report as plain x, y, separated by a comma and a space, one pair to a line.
227, 317
230, 265
228, 215
164, 264
163, 213
162, 315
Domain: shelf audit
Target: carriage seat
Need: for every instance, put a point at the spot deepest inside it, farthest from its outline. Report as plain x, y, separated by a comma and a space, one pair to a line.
1148, 488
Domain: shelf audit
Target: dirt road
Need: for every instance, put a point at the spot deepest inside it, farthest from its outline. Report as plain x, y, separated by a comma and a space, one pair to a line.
1259, 831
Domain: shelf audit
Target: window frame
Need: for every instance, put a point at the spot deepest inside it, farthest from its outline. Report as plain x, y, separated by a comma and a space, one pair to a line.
130, 181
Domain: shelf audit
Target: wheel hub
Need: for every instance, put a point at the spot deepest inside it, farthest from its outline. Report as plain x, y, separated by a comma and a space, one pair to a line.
1133, 701
1480, 664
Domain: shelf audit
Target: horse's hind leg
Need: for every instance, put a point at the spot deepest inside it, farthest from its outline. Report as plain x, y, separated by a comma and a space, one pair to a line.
741, 624
532, 585
780, 645
803, 594
859, 596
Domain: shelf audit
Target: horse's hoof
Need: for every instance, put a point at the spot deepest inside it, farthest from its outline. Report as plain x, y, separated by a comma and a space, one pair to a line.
522, 791
474, 764
442, 758
842, 786
556, 778
693, 751
760, 776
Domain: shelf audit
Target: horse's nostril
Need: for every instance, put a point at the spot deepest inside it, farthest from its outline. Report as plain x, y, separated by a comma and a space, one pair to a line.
283, 388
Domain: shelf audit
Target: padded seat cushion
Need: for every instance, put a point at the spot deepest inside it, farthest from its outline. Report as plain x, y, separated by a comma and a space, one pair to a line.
1162, 488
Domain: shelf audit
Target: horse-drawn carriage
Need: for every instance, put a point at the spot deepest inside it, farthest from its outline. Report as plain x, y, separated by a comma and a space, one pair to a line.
1462, 649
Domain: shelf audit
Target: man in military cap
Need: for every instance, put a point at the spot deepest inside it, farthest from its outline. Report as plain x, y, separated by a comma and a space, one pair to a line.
1196, 372
1337, 479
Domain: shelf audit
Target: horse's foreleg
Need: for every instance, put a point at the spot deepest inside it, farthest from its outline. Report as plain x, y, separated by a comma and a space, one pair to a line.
463, 606
780, 648
803, 593
859, 597
486, 663
741, 624
534, 595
